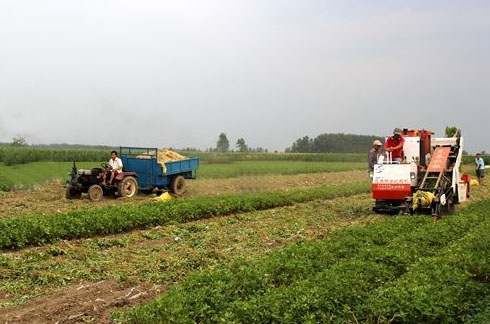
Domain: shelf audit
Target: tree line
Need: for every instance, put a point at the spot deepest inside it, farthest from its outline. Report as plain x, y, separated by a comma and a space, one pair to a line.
334, 143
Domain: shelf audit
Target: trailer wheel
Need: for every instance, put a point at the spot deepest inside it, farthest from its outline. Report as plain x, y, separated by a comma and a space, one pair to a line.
128, 187
73, 192
177, 186
95, 193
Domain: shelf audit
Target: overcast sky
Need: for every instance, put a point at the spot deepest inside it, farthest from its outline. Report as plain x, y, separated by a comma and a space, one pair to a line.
177, 73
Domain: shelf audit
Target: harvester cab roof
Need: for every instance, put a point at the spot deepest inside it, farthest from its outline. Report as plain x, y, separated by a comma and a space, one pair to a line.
427, 180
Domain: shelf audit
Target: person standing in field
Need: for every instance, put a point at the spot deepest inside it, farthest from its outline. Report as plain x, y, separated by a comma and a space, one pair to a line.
373, 157
479, 168
394, 145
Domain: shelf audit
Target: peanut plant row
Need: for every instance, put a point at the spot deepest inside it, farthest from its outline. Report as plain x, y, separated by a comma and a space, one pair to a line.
40, 229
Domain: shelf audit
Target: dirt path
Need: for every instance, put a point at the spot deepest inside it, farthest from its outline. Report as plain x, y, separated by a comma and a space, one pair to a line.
50, 197
83, 303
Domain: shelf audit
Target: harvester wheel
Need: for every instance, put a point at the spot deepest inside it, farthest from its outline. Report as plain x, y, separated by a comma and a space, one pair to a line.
95, 192
73, 192
177, 186
128, 187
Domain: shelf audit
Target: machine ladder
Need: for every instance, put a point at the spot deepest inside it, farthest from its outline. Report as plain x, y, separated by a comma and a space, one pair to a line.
438, 178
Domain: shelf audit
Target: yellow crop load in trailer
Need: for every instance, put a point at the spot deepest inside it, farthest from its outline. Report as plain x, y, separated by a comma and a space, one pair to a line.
163, 156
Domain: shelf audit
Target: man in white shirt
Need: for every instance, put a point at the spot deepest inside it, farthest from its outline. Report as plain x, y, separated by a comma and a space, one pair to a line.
116, 164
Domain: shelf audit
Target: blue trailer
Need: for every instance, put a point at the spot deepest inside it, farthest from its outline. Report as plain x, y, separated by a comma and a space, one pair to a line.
151, 175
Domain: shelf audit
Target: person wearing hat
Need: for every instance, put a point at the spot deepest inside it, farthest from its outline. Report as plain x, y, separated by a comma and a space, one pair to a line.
394, 145
373, 156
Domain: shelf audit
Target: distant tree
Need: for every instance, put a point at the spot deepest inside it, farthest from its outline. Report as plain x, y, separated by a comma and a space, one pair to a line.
303, 144
241, 145
223, 144
19, 141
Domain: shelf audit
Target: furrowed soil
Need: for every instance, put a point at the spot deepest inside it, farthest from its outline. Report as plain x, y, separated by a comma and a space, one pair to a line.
50, 198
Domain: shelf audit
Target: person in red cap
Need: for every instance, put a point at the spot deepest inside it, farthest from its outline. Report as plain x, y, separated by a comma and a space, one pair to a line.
394, 144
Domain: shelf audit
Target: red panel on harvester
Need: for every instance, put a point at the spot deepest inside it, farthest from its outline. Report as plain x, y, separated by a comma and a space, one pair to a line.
439, 159
391, 191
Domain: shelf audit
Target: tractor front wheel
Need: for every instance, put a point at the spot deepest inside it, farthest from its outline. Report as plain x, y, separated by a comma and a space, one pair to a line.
95, 193
128, 187
177, 186
73, 192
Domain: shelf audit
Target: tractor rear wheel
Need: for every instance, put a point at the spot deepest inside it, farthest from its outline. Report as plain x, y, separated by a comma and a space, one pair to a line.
128, 187
95, 193
177, 185
73, 192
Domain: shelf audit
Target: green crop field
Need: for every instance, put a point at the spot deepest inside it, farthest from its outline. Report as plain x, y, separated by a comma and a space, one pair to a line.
20, 155
399, 270
26, 175
305, 256
311, 252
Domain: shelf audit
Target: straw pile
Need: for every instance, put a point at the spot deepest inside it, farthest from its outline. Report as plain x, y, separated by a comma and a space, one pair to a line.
163, 156
167, 155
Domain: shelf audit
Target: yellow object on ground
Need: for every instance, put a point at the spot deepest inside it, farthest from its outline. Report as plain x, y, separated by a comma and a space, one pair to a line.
163, 197
474, 182
425, 198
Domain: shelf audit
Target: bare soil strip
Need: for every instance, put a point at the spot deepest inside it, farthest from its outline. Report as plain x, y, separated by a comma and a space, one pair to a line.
85, 302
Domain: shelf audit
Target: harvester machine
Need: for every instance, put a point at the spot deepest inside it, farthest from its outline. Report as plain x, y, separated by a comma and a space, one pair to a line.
426, 181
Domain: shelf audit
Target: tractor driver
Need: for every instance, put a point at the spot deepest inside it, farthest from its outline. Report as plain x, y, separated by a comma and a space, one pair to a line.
394, 144
116, 165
